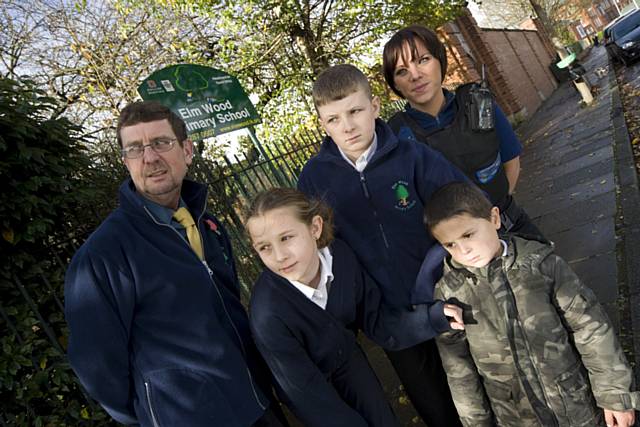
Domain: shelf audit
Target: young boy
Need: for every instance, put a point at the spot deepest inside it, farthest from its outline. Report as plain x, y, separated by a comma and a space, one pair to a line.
538, 349
377, 186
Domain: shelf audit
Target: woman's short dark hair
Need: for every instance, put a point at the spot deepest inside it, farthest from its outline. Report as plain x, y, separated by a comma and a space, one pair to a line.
408, 36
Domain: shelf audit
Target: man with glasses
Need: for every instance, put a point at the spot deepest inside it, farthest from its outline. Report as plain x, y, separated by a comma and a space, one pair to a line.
158, 335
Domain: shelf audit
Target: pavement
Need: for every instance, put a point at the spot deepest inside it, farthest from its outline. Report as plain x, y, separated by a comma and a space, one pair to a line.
579, 185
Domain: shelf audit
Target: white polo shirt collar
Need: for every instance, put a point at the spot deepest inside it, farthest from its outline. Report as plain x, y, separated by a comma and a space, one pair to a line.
319, 295
363, 160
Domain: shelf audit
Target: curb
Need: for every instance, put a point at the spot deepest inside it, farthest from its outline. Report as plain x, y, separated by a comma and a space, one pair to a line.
627, 220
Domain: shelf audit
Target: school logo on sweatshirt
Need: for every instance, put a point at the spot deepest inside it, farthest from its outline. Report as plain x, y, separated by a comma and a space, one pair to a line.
403, 196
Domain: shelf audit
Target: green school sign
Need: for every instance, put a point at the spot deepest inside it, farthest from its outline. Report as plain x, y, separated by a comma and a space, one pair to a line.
210, 101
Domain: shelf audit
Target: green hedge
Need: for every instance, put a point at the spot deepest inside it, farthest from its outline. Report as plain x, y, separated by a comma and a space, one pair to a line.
49, 185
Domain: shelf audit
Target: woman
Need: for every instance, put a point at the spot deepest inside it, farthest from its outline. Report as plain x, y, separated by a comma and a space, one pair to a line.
414, 65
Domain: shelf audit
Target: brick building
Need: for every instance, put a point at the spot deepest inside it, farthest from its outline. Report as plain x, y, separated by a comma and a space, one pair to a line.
586, 20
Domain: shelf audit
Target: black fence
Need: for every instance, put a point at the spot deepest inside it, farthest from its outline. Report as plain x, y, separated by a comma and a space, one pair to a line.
32, 314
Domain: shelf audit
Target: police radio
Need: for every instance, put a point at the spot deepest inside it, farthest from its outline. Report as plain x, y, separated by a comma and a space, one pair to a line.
480, 109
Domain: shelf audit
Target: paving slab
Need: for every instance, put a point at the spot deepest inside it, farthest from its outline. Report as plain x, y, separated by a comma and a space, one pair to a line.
545, 204
599, 274
586, 241
613, 311
556, 154
564, 219
551, 183
627, 229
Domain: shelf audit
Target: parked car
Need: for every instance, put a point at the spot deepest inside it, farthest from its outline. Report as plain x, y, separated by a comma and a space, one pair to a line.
606, 31
622, 39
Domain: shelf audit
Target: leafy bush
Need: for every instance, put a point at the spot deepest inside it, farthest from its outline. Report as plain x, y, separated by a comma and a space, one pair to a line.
44, 168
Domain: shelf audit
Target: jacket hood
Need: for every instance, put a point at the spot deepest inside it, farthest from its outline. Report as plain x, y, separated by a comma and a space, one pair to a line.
520, 252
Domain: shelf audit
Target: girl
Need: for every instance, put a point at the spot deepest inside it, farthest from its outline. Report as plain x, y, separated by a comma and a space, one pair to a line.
306, 309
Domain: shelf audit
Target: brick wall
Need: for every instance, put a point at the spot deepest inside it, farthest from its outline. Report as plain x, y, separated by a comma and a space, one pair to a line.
516, 62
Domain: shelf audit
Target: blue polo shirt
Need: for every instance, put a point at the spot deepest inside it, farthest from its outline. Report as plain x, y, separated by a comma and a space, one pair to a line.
164, 214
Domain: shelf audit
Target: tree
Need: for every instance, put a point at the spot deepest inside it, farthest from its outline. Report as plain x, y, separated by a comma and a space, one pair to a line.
278, 48
557, 15
501, 14
92, 55
402, 194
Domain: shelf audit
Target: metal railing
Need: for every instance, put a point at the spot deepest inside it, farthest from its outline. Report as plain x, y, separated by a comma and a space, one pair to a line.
233, 184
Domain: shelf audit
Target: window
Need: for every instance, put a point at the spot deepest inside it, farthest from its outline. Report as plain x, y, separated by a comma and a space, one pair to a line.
626, 25
581, 32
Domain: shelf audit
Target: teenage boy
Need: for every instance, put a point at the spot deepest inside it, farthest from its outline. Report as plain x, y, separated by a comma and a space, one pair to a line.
377, 186
538, 349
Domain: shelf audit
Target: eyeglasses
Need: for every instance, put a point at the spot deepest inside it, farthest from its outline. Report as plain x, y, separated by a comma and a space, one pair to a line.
158, 145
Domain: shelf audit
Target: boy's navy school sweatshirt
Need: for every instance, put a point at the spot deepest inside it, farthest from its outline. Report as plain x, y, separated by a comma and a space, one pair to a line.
379, 212
305, 345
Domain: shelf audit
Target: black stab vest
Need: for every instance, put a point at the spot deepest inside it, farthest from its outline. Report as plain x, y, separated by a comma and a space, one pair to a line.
471, 151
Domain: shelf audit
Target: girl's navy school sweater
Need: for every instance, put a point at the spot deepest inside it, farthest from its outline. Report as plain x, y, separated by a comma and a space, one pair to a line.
304, 344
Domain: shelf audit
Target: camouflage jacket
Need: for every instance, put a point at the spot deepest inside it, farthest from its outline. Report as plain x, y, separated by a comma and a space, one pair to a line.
538, 349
